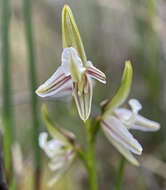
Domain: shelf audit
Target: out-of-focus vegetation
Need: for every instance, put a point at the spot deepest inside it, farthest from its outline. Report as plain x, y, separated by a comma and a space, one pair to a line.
113, 31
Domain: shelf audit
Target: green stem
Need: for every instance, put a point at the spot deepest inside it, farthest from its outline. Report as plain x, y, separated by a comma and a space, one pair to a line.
6, 92
120, 174
33, 86
91, 162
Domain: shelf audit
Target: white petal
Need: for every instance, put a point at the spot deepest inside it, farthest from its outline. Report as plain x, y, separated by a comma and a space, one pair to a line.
55, 178
72, 63
55, 166
43, 140
125, 152
95, 73
84, 101
55, 144
145, 124
120, 133
135, 105
62, 167
139, 123
52, 147
123, 114
58, 85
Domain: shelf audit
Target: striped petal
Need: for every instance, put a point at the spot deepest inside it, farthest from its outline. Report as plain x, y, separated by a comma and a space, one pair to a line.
95, 73
116, 130
84, 100
125, 152
58, 85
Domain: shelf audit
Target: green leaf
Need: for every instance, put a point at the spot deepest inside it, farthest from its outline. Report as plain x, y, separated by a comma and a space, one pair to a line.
123, 91
50, 126
70, 33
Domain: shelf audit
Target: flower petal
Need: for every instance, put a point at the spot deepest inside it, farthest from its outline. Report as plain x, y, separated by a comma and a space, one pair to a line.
145, 124
95, 73
123, 114
123, 91
55, 178
84, 100
52, 147
135, 105
65, 165
125, 152
139, 122
72, 64
57, 85
114, 128
43, 140
55, 166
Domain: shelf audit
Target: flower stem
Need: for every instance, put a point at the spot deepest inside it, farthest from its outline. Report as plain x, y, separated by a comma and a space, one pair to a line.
120, 174
91, 162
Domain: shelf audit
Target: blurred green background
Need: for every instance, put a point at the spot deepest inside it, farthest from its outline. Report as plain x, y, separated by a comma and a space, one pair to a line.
113, 31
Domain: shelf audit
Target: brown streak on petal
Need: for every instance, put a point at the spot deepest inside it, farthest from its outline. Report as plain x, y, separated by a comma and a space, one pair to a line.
96, 75
120, 137
58, 84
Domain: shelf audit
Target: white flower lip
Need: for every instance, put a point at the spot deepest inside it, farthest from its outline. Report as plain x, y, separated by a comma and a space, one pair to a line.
73, 78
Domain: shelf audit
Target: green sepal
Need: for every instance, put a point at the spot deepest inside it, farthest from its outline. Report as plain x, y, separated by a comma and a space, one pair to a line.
123, 91
70, 33
55, 133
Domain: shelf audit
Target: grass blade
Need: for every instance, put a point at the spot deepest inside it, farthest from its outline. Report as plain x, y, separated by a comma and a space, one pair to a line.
6, 92
33, 86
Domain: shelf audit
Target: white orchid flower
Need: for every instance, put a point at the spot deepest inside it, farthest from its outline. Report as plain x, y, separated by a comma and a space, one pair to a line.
75, 79
59, 149
74, 76
117, 121
60, 154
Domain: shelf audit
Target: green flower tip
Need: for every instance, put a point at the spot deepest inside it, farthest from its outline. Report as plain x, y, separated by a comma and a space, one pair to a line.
66, 7
124, 90
70, 33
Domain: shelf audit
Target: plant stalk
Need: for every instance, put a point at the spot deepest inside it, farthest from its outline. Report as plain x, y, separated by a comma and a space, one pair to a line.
33, 86
91, 162
120, 174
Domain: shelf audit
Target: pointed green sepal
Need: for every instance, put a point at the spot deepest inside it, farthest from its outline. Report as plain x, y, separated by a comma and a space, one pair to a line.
70, 33
55, 133
123, 91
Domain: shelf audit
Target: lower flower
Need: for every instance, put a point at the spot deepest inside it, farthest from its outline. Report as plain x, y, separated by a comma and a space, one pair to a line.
61, 155
116, 125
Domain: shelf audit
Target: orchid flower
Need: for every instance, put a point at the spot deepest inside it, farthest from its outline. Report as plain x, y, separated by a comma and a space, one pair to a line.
59, 149
116, 121
60, 155
74, 76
